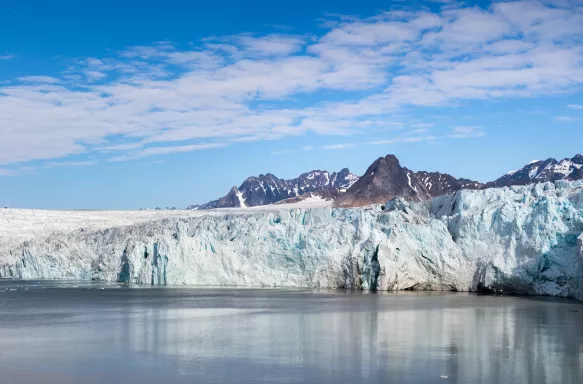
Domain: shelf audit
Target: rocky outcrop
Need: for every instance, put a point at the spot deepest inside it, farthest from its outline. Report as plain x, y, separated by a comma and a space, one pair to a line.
386, 179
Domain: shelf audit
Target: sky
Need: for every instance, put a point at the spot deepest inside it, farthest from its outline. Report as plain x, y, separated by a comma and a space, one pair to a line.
115, 105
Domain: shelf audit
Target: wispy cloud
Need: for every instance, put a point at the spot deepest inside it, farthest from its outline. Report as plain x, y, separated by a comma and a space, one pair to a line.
467, 132
575, 106
422, 125
51, 164
413, 139
418, 131
165, 151
38, 79
121, 147
338, 146
408, 137
7, 172
396, 140
7, 57
233, 89
270, 45
283, 152
565, 119
19, 171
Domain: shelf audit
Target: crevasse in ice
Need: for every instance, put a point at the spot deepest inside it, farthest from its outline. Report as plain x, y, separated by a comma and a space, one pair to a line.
526, 240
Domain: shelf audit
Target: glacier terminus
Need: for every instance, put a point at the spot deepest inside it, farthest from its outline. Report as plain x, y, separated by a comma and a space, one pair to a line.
519, 239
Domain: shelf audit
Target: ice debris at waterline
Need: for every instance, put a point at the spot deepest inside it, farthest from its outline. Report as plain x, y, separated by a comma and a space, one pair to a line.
525, 240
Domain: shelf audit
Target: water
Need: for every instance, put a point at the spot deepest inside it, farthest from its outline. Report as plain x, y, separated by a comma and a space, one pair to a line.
91, 333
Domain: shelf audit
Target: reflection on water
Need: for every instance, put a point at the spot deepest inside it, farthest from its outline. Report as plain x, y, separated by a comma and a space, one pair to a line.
54, 333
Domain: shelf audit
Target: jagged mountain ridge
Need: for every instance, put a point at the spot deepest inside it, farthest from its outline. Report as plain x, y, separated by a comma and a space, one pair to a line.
385, 179
540, 171
269, 189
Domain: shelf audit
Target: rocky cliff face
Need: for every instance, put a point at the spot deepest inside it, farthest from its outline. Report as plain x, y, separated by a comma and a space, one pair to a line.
525, 240
386, 179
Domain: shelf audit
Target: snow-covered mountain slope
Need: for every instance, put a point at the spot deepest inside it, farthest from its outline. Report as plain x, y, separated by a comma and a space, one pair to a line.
386, 179
269, 189
540, 171
520, 239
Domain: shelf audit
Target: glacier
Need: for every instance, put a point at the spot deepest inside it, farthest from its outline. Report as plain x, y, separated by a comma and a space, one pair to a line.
523, 240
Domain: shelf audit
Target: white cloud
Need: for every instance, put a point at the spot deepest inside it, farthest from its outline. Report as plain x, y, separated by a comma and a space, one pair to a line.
565, 119
38, 79
19, 171
509, 46
412, 136
575, 106
7, 57
412, 139
359, 73
284, 152
338, 146
418, 131
7, 172
51, 164
166, 150
121, 147
94, 75
409, 137
466, 132
271, 44
423, 125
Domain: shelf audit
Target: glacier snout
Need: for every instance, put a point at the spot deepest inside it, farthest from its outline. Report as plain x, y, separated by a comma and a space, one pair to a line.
519, 239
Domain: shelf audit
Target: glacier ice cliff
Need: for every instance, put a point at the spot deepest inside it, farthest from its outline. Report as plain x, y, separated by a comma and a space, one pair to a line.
525, 240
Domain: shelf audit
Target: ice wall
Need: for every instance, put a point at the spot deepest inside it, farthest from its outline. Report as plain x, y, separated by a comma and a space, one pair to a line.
521, 239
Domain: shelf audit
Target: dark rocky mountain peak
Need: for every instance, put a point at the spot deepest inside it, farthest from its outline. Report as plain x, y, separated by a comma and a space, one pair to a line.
386, 179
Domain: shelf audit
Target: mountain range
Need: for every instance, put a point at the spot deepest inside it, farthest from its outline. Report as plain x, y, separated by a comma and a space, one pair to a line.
269, 189
384, 179
540, 171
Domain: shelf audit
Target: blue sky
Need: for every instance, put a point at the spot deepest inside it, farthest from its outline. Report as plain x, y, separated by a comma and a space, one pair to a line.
113, 105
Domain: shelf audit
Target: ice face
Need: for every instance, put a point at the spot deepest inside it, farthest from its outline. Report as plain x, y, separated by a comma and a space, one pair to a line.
525, 240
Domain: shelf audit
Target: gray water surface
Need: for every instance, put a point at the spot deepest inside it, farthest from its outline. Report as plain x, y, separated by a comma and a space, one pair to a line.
90, 333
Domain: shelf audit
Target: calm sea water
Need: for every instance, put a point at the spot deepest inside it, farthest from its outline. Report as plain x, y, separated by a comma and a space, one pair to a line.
89, 333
